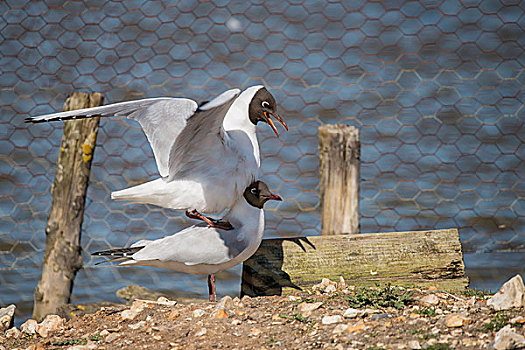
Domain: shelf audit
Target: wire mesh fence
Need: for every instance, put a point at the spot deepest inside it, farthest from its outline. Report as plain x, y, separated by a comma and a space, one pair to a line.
435, 87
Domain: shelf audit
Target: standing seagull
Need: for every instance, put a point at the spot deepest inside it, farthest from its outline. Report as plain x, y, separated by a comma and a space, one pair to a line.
204, 249
206, 155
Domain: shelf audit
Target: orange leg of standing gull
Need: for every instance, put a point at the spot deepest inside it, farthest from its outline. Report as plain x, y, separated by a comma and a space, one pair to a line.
223, 225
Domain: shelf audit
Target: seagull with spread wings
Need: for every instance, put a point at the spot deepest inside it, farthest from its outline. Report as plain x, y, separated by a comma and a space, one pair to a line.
206, 155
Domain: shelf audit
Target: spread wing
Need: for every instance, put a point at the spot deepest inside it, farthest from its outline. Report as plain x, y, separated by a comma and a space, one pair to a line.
203, 135
162, 120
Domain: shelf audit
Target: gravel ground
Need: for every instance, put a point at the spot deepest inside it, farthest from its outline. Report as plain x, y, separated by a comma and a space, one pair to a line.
329, 315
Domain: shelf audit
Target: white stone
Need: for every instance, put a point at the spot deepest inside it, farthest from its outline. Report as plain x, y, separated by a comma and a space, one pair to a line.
331, 319
507, 339
351, 313
198, 313
166, 301
6, 317
137, 325
414, 345
224, 303
12, 333
430, 299
511, 294
201, 332
29, 326
307, 308
340, 328
49, 324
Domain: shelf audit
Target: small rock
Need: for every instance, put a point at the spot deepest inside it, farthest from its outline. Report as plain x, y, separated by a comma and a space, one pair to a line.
173, 315
219, 314
198, 313
331, 319
325, 286
38, 346
342, 284
429, 299
29, 326
377, 317
49, 324
104, 332
506, 338
166, 301
351, 313
511, 294
356, 327
456, 320
224, 303
12, 333
236, 322
331, 288
307, 308
518, 319
88, 346
111, 337
201, 332
128, 315
293, 298
6, 317
414, 345
340, 328
137, 325
255, 332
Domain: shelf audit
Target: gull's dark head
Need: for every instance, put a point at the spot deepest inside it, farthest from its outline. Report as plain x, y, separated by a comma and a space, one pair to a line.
262, 108
258, 193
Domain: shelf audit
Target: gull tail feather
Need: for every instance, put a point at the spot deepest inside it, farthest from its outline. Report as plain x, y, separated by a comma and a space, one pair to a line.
119, 254
151, 192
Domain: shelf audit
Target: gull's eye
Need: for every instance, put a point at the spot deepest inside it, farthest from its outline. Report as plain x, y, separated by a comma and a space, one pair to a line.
265, 104
253, 191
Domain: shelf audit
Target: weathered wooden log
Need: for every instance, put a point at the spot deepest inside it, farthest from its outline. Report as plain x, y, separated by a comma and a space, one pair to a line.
62, 257
339, 153
410, 259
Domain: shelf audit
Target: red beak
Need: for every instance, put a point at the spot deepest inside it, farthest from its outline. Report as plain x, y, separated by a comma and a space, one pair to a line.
274, 197
270, 121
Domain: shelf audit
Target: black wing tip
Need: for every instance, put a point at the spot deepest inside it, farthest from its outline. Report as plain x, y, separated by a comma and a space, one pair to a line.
33, 121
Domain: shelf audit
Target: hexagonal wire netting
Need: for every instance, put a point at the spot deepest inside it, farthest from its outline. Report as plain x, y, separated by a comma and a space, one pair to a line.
435, 88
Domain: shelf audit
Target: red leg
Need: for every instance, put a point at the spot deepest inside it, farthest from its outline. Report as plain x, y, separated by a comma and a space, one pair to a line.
211, 288
194, 214
223, 225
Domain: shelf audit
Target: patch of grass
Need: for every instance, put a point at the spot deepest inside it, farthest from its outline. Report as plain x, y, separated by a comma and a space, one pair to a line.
428, 312
475, 293
95, 337
427, 336
380, 298
71, 342
496, 323
297, 316
416, 331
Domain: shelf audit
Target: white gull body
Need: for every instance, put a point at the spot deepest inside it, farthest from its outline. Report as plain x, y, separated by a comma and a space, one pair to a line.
206, 156
205, 250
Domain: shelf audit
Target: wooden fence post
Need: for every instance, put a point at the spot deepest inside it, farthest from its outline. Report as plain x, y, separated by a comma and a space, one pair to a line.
62, 257
339, 153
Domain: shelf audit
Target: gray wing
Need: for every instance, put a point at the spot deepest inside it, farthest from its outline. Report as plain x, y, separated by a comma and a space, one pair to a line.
194, 245
203, 132
162, 120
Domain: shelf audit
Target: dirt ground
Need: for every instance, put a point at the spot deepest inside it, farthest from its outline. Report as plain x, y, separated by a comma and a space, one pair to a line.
340, 317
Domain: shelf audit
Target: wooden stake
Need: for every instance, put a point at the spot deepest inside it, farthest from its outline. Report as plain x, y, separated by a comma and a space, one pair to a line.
62, 257
339, 153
